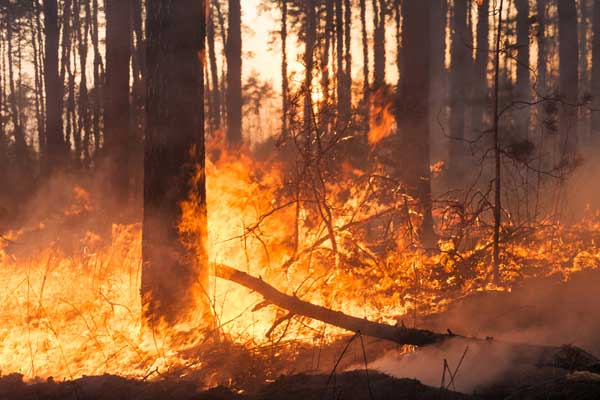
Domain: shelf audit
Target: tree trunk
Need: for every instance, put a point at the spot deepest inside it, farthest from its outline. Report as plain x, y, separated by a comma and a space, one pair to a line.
379, 12
55, 150
413, 107
310, 42
461, 61
596, 73
479, 98
234, 73
523, 87
215, 95
174, 272
347, 103
284, 71
365, 48
116, 98
568, 79
438, 94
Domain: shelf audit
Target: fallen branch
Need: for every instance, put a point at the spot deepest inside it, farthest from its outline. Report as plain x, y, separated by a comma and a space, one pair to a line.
294, 305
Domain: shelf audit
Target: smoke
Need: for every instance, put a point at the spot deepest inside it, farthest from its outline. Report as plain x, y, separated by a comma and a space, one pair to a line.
540, 312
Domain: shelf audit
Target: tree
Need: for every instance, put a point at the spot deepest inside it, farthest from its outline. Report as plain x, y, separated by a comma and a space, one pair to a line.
234, 73
215, 95
310, 40
479, 97
596, 72
413, 109
54, 136
459, 67
522, 88
116, 96
175, 267
284, 71
379, 12
568, 84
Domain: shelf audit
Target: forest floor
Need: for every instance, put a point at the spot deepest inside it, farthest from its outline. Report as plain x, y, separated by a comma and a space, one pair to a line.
533, 355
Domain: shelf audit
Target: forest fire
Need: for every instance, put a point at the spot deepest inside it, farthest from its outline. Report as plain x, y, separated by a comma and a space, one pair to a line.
401, 206
74, 312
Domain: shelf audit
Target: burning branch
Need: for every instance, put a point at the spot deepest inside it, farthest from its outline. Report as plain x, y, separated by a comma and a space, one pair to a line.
294, 305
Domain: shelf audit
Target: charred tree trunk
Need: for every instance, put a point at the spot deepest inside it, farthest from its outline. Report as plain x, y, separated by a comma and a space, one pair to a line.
215, 95
413, 109
347, 103
285, 90
568, 80
379, 12
175, 268
234, 73
461, 61
438, 75
116, 97
365, 49
84, 102
55, 150
340, 78
596, 73
523, 86
310, 42
480, 70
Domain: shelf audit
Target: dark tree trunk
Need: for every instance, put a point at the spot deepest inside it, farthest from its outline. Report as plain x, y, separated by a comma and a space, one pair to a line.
329, 30
568, 79
365, 48
15, 111
55, 150
438, 79
84, 102
523, 86
348, 62
284, 71
541, 44
98, 78
215, 95
596, 72
234, 73
461, 62
310, 42
174, 272
413, 109
340, 78
116, 97
479, 97
379, 12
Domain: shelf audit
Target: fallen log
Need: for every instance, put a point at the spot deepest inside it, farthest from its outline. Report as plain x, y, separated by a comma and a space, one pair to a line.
399, 334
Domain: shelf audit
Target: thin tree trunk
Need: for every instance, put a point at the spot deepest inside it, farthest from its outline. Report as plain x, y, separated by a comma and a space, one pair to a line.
284, 71
175, 268
55, 144
458, 70
596, 73
568, 79
365, 48
215, 96
379, 12
523, 87
480, 70
234, 74
116, 101
348, 61
310, 42
15, 112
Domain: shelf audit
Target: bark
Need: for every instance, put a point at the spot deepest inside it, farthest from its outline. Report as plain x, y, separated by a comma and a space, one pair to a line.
541, 44
329, 30
460, 63
596, 72
92, 14
339, 50
413, 110
116, 97
347, 104
523, 86
37, 80
568, 77
310, 42
215, 95
294, 305
379, 12
54, 138
84, 102
284, 71
365, 48
480, 80
174, 272
438, 79
234, 73
15, 111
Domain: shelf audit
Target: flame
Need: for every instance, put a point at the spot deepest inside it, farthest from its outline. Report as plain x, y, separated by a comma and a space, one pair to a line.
381, 118
75, 310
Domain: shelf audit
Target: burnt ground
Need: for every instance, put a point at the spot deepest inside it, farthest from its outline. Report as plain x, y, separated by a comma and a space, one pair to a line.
544, 312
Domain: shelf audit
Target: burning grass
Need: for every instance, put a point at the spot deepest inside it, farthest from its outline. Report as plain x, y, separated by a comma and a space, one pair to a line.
70, 297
